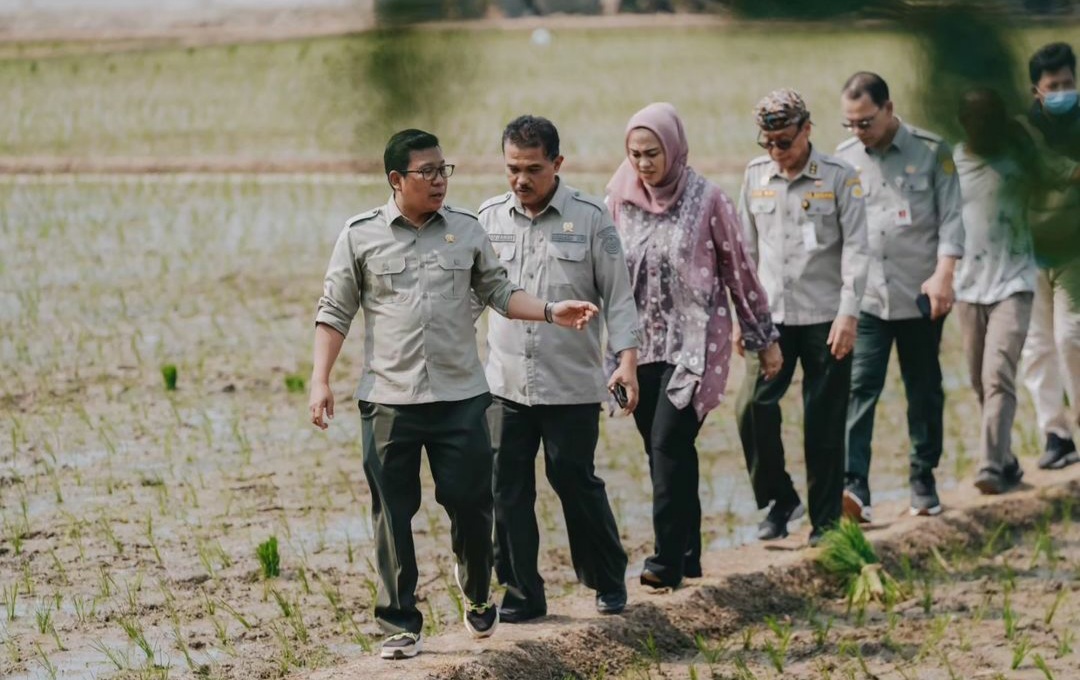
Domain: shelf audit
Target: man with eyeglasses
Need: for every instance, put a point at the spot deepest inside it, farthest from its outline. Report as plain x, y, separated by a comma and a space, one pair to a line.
548, 384
1051, 355
410, 266
805, 226
916, 236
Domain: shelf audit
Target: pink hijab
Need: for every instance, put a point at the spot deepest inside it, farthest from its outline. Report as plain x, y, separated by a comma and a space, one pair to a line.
662, 120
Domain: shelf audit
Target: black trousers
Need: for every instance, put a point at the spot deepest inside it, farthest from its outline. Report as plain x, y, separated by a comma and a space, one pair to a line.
826, 384
669, 434
569, 434
455, 436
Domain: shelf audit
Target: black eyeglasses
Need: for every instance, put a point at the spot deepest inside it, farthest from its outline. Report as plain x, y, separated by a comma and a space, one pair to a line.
429, 174
782, 144
861, 124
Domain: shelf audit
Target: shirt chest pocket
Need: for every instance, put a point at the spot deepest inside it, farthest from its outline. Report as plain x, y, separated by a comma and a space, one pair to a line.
509, 257
385, 279
764, 212
916, 184
452, 275
822, 213
567, 262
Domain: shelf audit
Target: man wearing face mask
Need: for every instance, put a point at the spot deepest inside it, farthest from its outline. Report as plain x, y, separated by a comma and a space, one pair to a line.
916, 235
1051, 356
804, 223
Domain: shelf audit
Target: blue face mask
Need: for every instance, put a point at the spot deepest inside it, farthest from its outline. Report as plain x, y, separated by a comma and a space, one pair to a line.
1058, 103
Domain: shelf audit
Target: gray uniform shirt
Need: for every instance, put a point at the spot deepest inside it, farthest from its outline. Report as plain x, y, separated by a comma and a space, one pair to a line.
808, 237
914, 216
413, 285
571, 250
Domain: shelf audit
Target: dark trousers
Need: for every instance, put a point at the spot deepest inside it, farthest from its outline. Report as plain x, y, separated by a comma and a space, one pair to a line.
917, 345
455, 436
826, 383
569, 434
668, 434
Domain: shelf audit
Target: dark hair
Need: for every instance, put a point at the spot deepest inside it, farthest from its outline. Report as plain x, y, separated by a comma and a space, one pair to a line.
531, 132
1052, 57
401, 146
991, 131
866, 83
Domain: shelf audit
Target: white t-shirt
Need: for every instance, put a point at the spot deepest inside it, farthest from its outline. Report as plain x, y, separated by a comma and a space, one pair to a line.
999, 260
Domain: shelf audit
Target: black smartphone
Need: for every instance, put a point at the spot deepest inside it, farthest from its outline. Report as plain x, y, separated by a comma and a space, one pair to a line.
620, 395
922, 301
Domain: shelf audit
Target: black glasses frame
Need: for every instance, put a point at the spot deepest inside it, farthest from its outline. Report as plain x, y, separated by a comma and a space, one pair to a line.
429, 174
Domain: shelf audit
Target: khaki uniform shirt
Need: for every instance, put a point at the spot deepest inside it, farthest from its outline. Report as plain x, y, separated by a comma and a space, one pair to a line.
571, 250
914, 216
413, 285
808, 237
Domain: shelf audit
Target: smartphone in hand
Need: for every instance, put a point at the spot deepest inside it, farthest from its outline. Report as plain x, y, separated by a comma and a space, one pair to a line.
619, 391
922, 301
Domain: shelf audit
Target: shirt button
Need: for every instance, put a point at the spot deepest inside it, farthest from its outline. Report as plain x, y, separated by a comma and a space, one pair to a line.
528, 330
530, 275
425, 295
528, 355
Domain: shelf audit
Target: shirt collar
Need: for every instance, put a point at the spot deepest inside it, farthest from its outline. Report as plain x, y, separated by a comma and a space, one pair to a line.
393, 213
899, 141
812, 169
557, 202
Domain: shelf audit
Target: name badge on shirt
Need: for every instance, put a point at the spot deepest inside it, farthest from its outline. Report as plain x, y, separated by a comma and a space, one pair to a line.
568, 238
809, 236
903, 214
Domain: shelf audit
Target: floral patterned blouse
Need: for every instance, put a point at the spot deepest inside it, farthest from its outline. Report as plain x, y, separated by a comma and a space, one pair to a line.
684, 264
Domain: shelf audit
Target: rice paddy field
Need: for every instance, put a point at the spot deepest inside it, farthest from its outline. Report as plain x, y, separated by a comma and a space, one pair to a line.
155, 335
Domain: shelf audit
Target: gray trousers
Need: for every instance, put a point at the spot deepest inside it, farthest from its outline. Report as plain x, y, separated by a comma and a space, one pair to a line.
993, 339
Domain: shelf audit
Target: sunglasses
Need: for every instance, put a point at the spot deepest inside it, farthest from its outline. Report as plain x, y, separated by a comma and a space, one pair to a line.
860, 124
782, 144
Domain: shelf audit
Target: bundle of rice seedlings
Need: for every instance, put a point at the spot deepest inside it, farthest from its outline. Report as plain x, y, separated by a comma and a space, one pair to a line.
845, 552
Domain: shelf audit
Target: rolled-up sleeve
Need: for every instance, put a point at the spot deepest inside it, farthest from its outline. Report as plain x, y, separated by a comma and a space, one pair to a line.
855, 257
738, 273
340, 300
490, 284
613, 283
949, 205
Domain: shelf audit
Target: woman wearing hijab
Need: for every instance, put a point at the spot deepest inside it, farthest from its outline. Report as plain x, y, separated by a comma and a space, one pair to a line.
685, 253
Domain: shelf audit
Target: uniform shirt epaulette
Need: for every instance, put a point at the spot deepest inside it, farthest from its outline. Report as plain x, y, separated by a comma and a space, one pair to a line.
494, 201
848, 143
838, 162
460, 211
362, 217
933, 141
759, 160
588, 200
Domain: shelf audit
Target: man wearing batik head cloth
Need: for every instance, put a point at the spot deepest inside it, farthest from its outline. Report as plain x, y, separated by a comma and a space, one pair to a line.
686, 258
804, 224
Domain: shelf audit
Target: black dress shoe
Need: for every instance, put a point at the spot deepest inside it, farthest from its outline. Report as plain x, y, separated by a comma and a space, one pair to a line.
692, 570
653, 580
519, 614
611, 603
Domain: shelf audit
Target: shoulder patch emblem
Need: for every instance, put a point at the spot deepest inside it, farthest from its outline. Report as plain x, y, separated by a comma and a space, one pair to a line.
948, 166
856, 191
612, 244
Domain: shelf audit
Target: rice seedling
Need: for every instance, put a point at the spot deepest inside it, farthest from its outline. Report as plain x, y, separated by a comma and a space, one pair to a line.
650, 649
85, 608
712, 655
1044, 545
117, 657
168, 375
269, 559
135, 633
1065, 642
235, 614
1040, 663
1020, 651
845, 552
294, 383
778, 653
1008, 617
992, 541
11, 598
43, 616
46, 664
1049, 617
